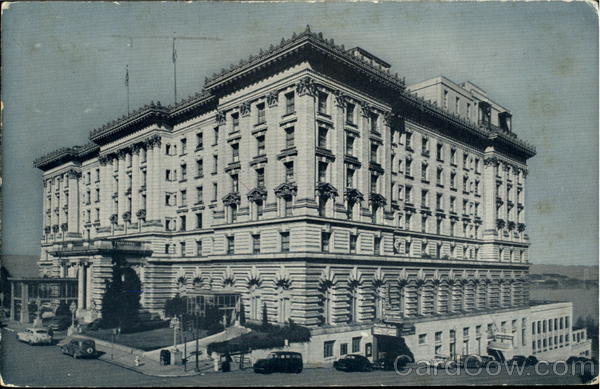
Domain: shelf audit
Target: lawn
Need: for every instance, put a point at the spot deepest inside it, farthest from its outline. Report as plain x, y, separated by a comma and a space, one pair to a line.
146, 340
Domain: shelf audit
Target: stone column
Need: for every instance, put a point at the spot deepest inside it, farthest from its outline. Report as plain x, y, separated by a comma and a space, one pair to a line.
387, 161
80, 288
489, 252
338, 148
305, 139
24, 303
122, 208
135, 182
88, 286
105, 192
73, 201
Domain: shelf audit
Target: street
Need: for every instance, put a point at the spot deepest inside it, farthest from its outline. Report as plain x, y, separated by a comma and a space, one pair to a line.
22, 364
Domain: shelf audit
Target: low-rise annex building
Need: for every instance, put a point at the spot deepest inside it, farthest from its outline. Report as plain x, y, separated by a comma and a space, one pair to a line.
317, 185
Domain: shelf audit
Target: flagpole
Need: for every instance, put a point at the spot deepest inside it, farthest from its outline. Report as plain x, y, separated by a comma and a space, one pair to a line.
127, 85
174, 71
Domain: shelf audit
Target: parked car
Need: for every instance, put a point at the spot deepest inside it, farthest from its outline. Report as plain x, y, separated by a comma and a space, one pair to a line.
392, 362
522, 360
441, 362
35, 336
353, 362
79, 348
59, 323
280, 361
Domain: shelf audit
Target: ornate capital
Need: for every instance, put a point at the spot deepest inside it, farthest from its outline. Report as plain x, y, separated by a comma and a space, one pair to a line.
491, 161
365, 109
220, 117
387, 118
137, 147
245, 108
377, 200
353, 195
272, 98
340, 98
306, 86
287, 189
326, 190
232, 198
152, 141
122, 153
71, 173
257, 194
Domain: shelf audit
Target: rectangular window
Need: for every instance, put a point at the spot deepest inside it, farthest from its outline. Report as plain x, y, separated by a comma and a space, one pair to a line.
465, 332
422, 338
457, 105
235, 184
440, 152
374, 178
322, 176
438, 337
439, 201
328, 348
256, 244
377, 245
287, 204
453, 156
445, 101
374, 120
349, 177
260, 113
235, 152
199, 168
183, 146
356, 344
183, 169
260, 177
465, 160
289, 103
425, 146
424, 198
215, 163
285, 242
424, 171
374, 148
322, 102
440, 176
183, 194
215, 191
353, 239
235, 121
350, 113
260, 145
325, 236
343, 348
199, 247
350, 145
216, 135
199, 141
199, 194
289, 172
230, 245
199, 220
289, 137
322, 142
423, 223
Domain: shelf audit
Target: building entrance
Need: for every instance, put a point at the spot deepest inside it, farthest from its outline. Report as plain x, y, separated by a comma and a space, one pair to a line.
390, 347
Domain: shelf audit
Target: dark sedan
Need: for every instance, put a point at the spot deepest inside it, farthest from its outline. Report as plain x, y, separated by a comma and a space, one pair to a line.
353, 362
522, 360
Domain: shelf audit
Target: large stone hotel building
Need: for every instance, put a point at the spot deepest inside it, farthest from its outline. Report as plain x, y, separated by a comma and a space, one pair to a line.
314, 183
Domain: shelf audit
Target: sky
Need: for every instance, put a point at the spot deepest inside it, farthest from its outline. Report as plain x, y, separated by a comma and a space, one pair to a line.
63, 72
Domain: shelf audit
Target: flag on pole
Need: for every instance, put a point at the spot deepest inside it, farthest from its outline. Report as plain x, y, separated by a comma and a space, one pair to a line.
126, 75
174, 52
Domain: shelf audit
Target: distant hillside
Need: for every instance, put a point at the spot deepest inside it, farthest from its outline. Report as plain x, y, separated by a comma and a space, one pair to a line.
571, 271
20, 265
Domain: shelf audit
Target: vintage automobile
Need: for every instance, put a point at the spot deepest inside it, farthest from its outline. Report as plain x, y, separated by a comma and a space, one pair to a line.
59, 323
392, 362
280, 361
353, 362
35, 336
79, 348
522, 360
441, 362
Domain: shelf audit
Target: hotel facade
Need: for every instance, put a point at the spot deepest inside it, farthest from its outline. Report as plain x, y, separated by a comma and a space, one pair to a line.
314, 183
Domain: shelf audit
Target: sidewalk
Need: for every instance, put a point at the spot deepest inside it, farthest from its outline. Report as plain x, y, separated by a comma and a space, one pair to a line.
125, 357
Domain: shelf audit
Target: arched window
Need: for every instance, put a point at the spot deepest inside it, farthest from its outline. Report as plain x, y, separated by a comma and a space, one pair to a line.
379, 301
326, 302
255, 303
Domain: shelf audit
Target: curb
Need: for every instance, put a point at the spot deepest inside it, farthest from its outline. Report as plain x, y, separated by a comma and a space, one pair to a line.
149, 374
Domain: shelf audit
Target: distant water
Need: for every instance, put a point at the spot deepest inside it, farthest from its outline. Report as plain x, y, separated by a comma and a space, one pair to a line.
585, 301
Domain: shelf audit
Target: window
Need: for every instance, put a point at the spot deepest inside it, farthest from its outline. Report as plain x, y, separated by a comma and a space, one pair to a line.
256, 244
199, 220
168, 177
440, 152
199, 168
465, 160
260, 113
285, 242
440, 176
409, 141
350, 113
408, 194
349, 177
183, 195
322, 141
183, 169
343, 348
453, 156
260, 145
353, 239
325, 236
424, 198
183, 146
199, 141
259, 209
328, 348
322, 177
423, 223
289, 103
235, 121
215, 191
439, 201
457, 105
230, 245
422, 338
289, 137
322, 102
215, 163
377, 245
425, 146
374, 178
199, 248
199, 194
349, 145
468, 110
356, 344
235, 152
289, 171
260, 177
216, 135
445, 100
438, 337
424, 171
374, 120
287, 206
374, 147
408, 165
235, 186
182, 223
452, 180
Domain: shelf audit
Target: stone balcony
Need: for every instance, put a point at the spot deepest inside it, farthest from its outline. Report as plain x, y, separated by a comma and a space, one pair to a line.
102, 247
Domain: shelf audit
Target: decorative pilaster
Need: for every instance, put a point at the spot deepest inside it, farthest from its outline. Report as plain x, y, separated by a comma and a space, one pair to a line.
135, 183
122, 188
73, 201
